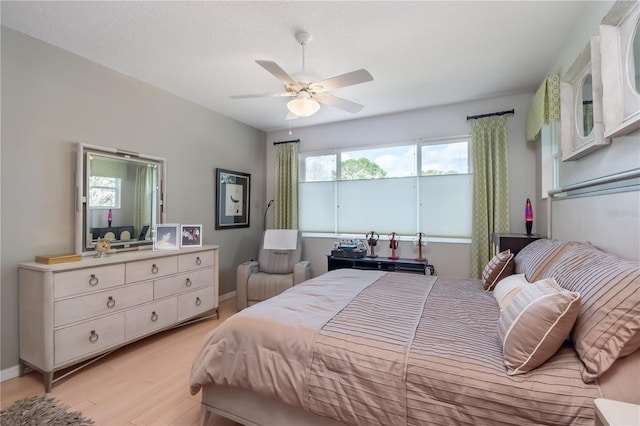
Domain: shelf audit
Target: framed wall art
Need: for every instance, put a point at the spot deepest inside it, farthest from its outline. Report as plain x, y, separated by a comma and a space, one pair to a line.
232, 199
191, 236
581, 130
620, 45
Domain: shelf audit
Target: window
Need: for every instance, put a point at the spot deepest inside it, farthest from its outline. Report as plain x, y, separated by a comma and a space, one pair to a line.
104, 192
356, 191
550, 157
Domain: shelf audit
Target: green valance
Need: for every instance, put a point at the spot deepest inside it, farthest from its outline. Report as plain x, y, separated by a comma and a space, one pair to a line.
544, 107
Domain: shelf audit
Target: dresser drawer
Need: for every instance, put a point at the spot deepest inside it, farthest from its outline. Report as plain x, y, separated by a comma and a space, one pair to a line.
84, 307
151, 269
150, 317
84, 280
191, 261
184, 282
195, 302
88, 337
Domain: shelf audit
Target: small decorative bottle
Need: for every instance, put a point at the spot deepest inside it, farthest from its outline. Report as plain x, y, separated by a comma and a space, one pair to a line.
109, 218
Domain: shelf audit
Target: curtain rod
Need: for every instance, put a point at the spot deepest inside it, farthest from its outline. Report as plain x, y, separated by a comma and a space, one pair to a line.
473, 117
292, 141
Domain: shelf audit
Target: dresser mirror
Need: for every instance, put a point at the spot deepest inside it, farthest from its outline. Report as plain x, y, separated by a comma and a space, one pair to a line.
620, 40
119, 197
581, 105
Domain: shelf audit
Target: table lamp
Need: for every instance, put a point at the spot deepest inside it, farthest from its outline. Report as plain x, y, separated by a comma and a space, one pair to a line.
528, 216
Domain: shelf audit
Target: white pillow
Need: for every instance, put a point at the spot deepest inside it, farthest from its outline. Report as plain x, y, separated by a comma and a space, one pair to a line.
508, 288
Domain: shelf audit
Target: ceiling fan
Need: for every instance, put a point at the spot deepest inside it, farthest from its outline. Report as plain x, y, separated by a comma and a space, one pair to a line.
308, 95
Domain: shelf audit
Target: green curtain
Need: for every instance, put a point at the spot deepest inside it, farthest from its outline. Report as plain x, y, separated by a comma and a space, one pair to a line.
544, 107
286, 186
143, 192
490, 187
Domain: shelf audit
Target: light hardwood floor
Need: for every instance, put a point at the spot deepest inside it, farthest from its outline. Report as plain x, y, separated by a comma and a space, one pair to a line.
144, 383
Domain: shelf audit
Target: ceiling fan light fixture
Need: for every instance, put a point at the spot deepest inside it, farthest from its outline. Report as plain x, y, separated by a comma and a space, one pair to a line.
302, 105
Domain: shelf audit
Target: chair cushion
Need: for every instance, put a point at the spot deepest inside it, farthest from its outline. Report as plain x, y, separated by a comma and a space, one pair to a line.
262, 286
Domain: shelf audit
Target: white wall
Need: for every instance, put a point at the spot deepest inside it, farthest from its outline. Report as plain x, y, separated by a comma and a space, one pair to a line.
51, 99
623, 153
449, 259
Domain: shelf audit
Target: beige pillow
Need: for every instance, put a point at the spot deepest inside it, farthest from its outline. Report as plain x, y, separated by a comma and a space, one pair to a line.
499, 267
508, 288
609, 320
535, 324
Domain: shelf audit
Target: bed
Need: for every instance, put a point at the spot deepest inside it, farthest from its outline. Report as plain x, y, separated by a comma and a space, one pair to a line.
384, 348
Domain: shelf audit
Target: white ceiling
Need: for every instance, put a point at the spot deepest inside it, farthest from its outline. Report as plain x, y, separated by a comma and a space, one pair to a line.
420, 53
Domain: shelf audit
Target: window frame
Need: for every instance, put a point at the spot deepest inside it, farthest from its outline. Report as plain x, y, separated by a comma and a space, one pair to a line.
418, 144
117, 190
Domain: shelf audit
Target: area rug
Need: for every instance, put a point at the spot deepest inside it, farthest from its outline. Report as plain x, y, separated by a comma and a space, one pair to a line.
41, 411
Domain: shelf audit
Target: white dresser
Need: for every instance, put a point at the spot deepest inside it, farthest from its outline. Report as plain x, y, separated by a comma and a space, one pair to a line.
75, 311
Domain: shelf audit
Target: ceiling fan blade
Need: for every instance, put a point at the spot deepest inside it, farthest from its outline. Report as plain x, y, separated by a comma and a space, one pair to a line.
278, 72
265, 95
327, 99
348, 79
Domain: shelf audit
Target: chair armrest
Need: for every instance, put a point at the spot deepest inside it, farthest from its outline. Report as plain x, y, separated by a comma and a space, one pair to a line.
301, 271
242, 278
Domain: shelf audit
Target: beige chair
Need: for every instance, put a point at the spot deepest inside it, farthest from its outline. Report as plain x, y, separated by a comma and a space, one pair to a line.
277, 269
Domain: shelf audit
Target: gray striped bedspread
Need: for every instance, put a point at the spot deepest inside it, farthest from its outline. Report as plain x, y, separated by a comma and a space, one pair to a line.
375, 348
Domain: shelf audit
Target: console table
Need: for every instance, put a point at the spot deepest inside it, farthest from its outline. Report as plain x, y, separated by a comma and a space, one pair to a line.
76, 311
381, 263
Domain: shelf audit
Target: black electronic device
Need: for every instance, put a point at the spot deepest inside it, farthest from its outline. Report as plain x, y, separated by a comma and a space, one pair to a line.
143, 233
350, 249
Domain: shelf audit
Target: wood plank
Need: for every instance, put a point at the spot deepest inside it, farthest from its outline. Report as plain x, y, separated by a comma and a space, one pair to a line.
144, 383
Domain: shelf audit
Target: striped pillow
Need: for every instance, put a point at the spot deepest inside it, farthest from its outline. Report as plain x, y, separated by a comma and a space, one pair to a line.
535, 324
609, 320
499, 267
536, 258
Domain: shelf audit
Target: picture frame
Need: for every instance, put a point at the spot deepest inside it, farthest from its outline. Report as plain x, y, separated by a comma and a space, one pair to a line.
619, 33
191, 236
232, 199
582, 128
165, 236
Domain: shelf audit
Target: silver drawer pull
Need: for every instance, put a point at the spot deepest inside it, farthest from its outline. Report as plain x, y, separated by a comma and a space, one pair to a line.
154, 316
188, 282
93, 280
198, 260
198, 301
93, 337
111, 302
154, 269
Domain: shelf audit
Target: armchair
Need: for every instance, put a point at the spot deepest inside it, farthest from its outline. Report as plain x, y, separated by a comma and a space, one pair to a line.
278, 268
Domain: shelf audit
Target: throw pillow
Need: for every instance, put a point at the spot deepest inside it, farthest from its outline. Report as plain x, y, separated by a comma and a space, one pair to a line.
499, 267
535, 324
609, 318
508, 288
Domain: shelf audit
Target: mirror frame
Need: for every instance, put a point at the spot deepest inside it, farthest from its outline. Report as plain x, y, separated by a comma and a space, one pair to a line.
621, 98
81, 204
574, 144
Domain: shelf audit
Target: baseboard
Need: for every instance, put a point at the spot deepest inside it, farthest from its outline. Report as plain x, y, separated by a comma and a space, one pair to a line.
9, 373
13, 372
227, 296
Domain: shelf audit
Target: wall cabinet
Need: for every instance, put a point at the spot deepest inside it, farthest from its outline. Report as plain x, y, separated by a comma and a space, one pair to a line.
72, 312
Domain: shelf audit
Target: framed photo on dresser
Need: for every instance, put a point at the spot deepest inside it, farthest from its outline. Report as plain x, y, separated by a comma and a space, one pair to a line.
191, 236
